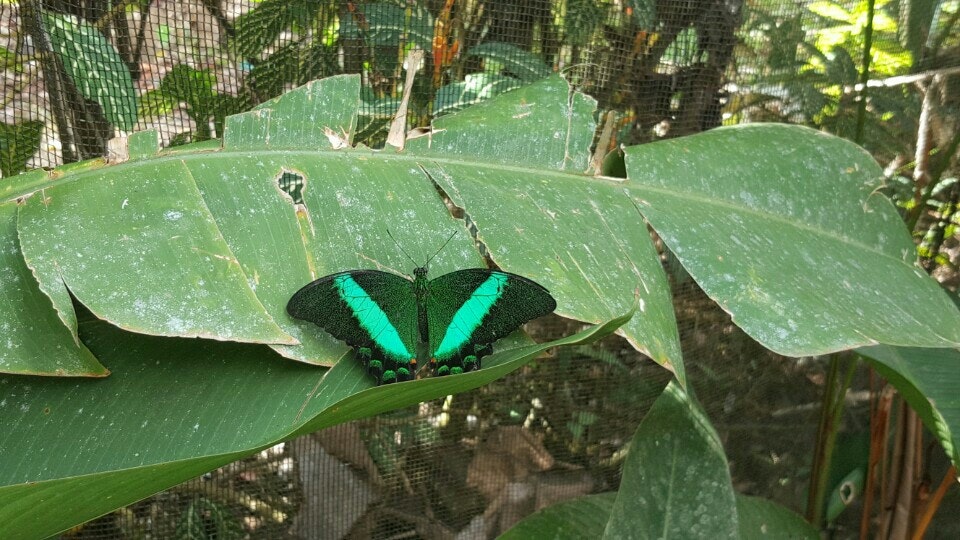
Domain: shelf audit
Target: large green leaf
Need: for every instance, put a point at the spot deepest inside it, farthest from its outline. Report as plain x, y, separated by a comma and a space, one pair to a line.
43, 344
175, 408
175, 245
139, 248
95, 67
593, 248
675, 483
782, 227
928, 379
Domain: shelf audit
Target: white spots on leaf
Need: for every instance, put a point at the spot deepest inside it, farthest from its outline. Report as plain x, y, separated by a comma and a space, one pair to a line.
344, 200
172, 215
177, 325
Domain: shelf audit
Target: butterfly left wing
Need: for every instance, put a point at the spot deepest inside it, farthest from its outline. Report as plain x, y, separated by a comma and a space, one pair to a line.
373, 311
468, 310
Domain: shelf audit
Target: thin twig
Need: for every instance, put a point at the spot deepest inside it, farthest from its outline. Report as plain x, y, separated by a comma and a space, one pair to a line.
141, 33
603, 144
877, 465
890, 484
901, 80
923, 520
921, 176
52, 72
117, 10
903, 502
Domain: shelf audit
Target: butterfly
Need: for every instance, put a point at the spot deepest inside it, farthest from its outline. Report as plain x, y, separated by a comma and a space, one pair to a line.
395, 323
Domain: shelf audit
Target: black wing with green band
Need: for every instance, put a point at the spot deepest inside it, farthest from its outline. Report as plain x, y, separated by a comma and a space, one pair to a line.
369, 310
468, 310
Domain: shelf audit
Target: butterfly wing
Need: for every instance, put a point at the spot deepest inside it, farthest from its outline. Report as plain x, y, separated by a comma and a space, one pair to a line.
374, 312
468, 310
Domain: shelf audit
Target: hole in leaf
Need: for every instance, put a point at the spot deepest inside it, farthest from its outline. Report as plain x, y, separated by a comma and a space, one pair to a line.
292, 184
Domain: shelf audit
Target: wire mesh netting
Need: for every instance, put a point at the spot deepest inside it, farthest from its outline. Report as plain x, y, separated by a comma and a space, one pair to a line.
180, 67
79, 73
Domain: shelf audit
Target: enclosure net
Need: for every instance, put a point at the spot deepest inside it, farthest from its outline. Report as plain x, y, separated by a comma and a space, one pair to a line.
78, 73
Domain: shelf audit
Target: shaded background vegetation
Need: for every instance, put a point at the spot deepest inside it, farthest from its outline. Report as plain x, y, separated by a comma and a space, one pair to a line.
884, 73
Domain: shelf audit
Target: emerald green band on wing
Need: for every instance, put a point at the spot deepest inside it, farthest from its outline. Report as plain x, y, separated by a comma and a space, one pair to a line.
372, 318
470, 315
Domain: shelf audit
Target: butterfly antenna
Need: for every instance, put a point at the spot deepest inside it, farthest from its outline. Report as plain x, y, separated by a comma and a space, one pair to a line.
401, 247
411, 258
441, 248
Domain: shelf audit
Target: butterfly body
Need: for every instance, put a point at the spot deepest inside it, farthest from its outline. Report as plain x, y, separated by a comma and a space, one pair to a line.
395, 323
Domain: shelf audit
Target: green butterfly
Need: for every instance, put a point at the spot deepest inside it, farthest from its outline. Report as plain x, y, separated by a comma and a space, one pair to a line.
393, 321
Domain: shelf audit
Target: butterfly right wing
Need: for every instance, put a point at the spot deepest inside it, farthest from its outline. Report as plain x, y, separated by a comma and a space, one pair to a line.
468, 310
372, 311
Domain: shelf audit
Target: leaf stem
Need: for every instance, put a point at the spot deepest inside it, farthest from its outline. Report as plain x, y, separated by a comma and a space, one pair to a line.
835, 389
865, 73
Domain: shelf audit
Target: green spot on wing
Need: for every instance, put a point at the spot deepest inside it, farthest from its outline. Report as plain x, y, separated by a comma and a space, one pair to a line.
468, 318
372, 318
